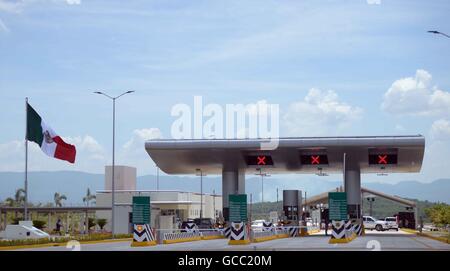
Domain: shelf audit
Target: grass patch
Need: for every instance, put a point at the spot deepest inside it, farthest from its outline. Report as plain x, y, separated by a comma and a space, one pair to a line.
62, 239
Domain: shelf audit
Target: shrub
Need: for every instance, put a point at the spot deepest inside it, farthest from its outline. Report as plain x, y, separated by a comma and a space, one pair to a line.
101, 222
39, 224
91, 222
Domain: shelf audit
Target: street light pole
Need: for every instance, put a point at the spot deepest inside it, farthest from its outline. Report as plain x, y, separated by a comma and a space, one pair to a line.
157, 178
438, 33
113, 187
262, 182
199, 171
214, 204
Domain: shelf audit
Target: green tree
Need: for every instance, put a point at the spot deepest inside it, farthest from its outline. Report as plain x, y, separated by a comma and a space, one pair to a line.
101, 222
19, 197
91, 222
9, 202
89, 197
439, 214
58, 198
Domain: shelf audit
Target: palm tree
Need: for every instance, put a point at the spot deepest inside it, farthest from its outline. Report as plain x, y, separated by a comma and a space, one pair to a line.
59, 198
19, 197
9, 202
88, 197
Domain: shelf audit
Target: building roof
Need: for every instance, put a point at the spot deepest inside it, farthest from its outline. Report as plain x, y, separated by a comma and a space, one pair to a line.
323, 197
184, 156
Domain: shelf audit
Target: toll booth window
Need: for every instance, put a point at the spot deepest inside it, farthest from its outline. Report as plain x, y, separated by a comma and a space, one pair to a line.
312, 159
382, 159
259, 160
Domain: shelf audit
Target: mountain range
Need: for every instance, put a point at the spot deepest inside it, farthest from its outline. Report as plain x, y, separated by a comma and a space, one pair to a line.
43, 185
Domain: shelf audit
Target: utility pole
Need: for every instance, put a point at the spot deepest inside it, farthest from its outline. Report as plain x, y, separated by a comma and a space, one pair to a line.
157, 178
200, 172
214, 204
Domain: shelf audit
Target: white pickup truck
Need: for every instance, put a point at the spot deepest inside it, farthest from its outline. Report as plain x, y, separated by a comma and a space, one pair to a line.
392, 222
370, 223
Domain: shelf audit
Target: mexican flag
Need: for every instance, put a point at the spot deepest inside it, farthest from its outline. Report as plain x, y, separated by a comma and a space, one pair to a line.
51, 144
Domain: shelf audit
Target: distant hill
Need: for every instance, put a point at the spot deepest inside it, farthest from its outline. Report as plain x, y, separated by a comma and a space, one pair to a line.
42, 186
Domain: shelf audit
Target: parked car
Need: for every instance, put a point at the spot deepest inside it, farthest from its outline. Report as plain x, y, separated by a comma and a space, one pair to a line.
372, 223
257, 225
204, 223
392, 222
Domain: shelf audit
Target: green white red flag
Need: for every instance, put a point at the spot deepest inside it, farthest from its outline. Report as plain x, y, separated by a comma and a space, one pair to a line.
51, 143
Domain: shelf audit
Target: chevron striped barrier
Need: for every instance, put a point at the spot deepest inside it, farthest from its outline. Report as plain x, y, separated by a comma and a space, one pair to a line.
227, 232
340, 232
239, 234
349, 230
268, 226
143, 236
293, 231
170, 238
358, 229
189, 227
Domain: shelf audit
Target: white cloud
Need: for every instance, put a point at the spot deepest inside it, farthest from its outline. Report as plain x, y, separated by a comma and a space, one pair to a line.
133, 151
11, 6
139, 138
416, 96
73, 2
3, 27
440, 129
91, 156
319, 113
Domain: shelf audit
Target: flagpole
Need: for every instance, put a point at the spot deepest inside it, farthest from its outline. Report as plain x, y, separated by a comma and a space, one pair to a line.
26, 160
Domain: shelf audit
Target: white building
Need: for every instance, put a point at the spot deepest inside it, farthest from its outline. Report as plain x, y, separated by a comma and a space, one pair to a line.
168, 207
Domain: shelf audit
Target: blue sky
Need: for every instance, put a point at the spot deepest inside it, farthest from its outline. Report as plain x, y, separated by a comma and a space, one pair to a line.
335, 68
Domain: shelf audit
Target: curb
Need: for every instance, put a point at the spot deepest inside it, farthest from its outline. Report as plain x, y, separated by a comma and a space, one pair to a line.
441, 239
181, 240
213, 237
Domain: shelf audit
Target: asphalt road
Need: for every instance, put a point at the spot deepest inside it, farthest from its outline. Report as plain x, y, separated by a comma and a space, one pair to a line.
371, 241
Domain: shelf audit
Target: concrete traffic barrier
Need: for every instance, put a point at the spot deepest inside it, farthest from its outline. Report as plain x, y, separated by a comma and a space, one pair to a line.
349, 233
282, 233
227, 232
267, 226
143, 236
261, 236
358, 228
189, 227
239, 234
293, 231
338, 232
211, 234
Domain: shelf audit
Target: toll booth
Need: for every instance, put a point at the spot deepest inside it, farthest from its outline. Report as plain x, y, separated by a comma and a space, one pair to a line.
291, 204
406, 220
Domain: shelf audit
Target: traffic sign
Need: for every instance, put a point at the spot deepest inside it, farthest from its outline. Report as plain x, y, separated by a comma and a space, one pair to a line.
141, 210
238, 207
337, 204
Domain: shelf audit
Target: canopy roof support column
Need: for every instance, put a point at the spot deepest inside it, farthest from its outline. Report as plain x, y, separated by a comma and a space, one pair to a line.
233, 182
352, 184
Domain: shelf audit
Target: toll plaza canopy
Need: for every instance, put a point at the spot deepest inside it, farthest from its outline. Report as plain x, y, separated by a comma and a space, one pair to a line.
371, 154
234, 158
